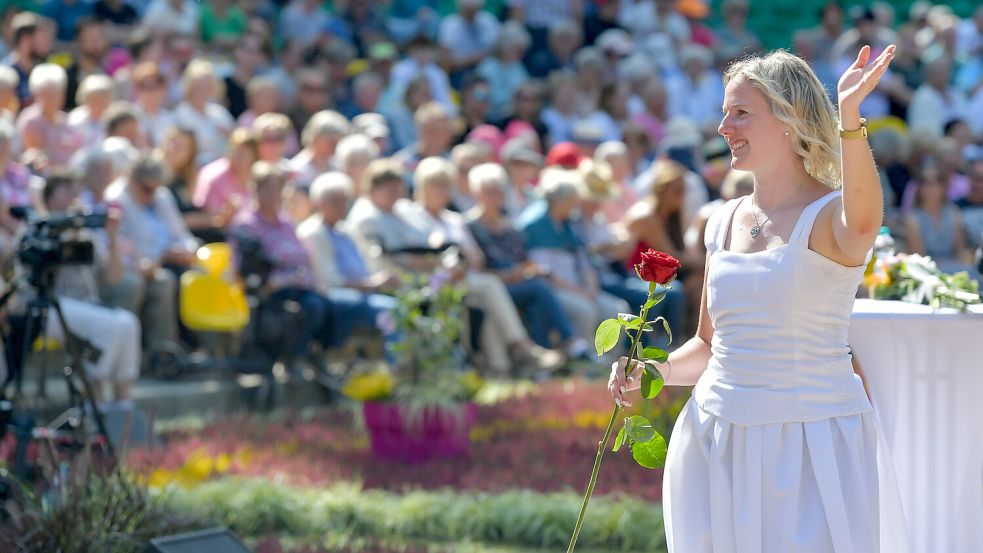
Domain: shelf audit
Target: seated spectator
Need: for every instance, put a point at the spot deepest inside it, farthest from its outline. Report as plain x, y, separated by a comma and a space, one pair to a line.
383, 236
91, 50
522, 165
420, 61
304, 20
352, 155
972, 206
503, 337
222, 23
9, 102
31, 44
320, 139
160, 240
122, 120
180, 151
95, 93
252, 54
262, 96
312, 96
15, 191
66, 14
657, 222
548, 231
475, 106
565, 107
271, 131
165, 17
465, 157
400, 114
505, 256
936, 101
935, 227
201, 111
434, 135
223, 185
334, 256
150, 92
503, 70
48, 140
114, 333
468, 35
615, 155
292, 277
655, 115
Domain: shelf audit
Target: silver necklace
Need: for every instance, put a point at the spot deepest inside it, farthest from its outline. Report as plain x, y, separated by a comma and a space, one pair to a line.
756, 229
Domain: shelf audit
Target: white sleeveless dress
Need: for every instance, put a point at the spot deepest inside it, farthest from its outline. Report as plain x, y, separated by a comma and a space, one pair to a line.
779, 449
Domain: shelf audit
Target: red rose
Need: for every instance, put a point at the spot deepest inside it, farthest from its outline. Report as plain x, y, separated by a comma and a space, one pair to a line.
657, 267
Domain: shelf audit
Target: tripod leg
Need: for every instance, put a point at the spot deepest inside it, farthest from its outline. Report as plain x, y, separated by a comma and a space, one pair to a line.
77, 368
25, 351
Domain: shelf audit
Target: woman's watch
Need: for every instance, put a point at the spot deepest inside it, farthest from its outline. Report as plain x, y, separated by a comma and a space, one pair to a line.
855, 133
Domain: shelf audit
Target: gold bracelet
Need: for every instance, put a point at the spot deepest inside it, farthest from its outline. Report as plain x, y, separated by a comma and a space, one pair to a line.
856, 133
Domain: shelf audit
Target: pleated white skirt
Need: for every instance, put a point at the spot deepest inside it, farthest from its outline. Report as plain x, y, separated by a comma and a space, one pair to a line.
824, 486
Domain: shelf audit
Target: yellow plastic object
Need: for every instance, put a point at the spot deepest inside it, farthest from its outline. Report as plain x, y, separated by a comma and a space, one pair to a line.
215, 258
211, 304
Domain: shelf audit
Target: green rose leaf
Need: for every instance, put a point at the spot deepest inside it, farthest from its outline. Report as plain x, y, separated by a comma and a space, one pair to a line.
650, 454
620, 440
651, 386
640, 429
665, 325
607, 336
629, 321
655, 354
655, 299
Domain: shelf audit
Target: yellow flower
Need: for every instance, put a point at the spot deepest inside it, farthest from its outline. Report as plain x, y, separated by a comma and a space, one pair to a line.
222, 463
369, 387
159, 478
472, 382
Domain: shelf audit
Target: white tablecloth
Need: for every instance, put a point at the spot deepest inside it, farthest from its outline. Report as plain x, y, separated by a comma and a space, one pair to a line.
925, 374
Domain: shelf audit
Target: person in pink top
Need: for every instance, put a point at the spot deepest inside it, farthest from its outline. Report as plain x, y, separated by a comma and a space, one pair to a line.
223, 185
48, 141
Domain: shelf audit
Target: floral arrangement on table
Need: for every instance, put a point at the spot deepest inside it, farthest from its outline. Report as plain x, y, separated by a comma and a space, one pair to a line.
648, 447
917, 279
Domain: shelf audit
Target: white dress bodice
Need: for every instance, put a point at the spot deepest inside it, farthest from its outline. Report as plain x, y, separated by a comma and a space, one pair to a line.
780, 318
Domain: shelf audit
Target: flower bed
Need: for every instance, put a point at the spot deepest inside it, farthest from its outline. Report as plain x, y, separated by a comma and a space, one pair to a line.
542, 440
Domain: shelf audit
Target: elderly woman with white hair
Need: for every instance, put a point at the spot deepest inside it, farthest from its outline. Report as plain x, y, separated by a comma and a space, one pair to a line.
352, 156
503, 336
320, 138
9, 101
698, 91
553, 242
48, 140
93, 97
201, 111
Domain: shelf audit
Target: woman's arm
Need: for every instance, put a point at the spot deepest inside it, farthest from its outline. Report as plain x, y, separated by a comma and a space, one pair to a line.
861, 213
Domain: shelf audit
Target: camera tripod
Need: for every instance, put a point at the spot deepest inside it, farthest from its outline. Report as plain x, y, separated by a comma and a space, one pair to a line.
75, 415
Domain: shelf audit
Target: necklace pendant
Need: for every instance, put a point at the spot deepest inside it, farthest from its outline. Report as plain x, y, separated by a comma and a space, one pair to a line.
755, 231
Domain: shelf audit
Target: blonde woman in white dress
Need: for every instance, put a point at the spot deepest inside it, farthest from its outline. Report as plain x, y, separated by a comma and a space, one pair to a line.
779, 449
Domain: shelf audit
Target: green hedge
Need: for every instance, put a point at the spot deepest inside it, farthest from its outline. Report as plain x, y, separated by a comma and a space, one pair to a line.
257, 507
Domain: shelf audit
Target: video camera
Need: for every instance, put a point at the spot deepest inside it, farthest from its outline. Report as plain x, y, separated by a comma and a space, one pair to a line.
43, 247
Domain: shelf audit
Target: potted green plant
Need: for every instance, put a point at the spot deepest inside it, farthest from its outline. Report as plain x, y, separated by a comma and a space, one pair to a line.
421, 406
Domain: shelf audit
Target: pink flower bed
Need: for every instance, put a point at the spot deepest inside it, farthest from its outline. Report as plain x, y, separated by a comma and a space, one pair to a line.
543, 441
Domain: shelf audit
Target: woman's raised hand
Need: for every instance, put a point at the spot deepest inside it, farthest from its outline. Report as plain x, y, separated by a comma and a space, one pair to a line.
860, 79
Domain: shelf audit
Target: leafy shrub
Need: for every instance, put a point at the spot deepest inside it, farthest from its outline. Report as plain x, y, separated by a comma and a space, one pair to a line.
517, 518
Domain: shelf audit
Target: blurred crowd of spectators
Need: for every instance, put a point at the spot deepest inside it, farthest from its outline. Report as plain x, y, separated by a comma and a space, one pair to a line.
550, 141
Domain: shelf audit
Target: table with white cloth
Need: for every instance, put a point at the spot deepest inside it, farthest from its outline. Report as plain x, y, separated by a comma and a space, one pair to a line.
924, 370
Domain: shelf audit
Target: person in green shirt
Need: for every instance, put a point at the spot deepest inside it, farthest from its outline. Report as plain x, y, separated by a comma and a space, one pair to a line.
221, 23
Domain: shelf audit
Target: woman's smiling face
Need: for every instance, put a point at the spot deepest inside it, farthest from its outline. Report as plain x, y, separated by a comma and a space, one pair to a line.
752, 131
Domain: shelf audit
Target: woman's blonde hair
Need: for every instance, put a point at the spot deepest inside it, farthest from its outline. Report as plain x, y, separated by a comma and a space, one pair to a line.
800, 102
